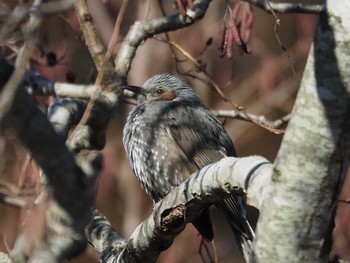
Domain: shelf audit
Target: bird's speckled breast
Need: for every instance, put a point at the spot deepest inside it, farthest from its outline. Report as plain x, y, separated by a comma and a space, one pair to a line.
158, 162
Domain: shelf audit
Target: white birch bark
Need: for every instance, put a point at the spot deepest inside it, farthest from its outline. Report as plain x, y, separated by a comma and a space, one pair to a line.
297, 216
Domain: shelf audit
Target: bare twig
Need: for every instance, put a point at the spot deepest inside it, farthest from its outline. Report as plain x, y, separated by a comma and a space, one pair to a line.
7, 93
106, 63
108, 99
12, 195
210, 82
37, 85
261, 119
21, 12
93, 41
57, 7
140, 31
90, 132
74, 91
18, 15
12, 200
284, 8
277, 24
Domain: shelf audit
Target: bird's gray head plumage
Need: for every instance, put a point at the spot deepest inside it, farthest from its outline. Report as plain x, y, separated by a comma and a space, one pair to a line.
165, 87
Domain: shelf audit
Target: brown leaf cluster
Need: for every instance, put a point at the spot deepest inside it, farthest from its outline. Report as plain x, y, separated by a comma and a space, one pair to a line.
235, 28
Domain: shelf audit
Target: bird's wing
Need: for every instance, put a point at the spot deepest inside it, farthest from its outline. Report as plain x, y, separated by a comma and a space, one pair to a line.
203, 140
200, 136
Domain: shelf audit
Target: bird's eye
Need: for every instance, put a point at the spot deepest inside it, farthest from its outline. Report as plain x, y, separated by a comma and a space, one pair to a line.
160, 91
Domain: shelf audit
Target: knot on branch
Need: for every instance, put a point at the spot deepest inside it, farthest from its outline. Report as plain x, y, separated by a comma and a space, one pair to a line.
228, 187
87, 18
173, 218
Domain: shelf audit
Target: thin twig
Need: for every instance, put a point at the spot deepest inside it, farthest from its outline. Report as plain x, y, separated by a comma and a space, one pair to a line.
277, 24
345, 201
94, 42
22, 11
262, 119
284, 8
8, 92
141, 31
100, 76
14, 201
216, 86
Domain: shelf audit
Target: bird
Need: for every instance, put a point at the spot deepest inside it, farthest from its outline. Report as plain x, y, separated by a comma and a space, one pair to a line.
171, 134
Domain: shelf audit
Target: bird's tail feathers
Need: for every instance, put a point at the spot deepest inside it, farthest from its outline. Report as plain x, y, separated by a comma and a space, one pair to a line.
234, 210
204, 226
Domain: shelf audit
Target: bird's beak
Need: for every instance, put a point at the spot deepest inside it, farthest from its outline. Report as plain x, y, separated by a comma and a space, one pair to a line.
134, 93
134, 89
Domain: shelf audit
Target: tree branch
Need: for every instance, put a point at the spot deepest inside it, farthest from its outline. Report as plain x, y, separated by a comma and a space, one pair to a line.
104, 238
108, 99
285, 8
65, 113
251, 175
94, 43
72, 180
235, 114
21, 12
8, 91
142, 30
37, 85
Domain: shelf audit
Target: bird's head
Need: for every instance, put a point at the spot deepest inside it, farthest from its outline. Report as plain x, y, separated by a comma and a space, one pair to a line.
163, 87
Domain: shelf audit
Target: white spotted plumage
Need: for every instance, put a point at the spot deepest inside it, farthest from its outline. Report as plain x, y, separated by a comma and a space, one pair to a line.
167, 138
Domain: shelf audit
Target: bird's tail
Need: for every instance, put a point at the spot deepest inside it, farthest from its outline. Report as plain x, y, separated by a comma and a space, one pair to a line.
204, 226
235, 213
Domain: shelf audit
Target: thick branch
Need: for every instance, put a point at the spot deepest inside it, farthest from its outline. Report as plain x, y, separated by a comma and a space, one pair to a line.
107, 242
37, 85
72, 184
142, 30
229, 176
74, 91
250, 175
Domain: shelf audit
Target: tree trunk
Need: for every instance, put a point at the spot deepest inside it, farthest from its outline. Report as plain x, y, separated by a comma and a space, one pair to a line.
297, 217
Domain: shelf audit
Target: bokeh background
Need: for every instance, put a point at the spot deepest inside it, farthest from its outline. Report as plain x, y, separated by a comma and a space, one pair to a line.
264, 82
